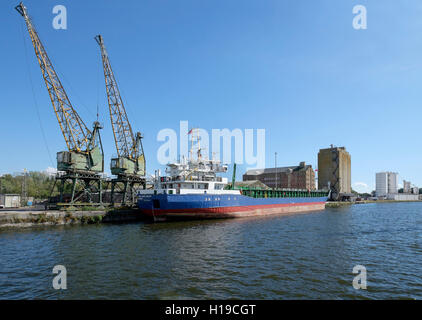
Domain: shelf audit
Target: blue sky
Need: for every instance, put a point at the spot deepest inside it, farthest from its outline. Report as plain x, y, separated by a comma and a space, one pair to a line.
296, 68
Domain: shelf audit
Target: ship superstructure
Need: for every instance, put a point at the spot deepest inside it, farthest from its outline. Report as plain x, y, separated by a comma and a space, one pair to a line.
194, 177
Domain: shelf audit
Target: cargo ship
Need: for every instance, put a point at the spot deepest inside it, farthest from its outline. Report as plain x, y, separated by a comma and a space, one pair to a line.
192, 189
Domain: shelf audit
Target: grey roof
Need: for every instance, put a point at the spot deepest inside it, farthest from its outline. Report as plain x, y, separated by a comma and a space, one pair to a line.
256, 172
251, 183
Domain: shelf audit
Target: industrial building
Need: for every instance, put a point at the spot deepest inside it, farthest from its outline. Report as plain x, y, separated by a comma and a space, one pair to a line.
402, 197
294, 177
409, 188
10, 201
334, 171
385, 183
406, 186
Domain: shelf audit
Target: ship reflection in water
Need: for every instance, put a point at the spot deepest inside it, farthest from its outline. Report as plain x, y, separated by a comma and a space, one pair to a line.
308, 256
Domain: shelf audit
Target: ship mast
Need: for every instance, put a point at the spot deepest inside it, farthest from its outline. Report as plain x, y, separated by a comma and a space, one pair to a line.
194, 132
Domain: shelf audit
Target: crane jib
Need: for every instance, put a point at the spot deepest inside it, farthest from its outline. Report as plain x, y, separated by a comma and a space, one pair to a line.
74, 130
126, 144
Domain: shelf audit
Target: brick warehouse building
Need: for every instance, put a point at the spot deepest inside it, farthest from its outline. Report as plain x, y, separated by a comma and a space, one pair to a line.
295, 177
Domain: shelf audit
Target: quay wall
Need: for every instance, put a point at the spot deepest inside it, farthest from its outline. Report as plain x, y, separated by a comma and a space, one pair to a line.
25, 218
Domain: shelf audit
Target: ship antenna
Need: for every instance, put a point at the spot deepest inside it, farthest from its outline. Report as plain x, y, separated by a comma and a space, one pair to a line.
191, 144
199, 144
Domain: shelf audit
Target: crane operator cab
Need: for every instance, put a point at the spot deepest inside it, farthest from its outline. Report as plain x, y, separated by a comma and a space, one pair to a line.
91, 159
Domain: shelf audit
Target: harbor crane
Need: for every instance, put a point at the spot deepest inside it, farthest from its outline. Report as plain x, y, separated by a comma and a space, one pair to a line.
83, 162
129, 165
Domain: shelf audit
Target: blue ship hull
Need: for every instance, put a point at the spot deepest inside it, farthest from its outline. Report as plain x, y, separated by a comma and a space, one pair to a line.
194, 206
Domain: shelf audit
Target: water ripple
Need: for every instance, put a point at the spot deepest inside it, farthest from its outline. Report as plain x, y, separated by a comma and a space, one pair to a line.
297, 257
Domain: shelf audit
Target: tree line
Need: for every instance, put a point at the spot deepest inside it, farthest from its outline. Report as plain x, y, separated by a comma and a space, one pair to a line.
38, 184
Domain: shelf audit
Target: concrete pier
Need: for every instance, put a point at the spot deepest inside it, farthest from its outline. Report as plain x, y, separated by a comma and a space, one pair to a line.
27, 217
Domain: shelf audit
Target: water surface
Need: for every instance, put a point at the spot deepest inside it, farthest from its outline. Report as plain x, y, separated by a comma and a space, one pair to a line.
297, 257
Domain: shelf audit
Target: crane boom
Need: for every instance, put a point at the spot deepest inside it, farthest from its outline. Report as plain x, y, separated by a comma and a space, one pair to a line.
75, 132
126, 143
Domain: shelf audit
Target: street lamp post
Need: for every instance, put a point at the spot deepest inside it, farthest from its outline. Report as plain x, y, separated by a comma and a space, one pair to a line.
275, 156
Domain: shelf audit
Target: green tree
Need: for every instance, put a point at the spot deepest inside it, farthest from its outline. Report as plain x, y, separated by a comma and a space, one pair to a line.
38, 184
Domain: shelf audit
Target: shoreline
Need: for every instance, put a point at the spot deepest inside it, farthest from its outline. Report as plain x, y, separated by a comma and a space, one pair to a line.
29, 218
22, 218
336, 204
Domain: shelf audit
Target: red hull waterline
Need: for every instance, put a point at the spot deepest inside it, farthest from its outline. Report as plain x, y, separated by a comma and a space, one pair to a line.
233, 212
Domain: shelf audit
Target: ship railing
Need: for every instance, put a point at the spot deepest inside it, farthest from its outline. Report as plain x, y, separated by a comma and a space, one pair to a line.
283, 193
